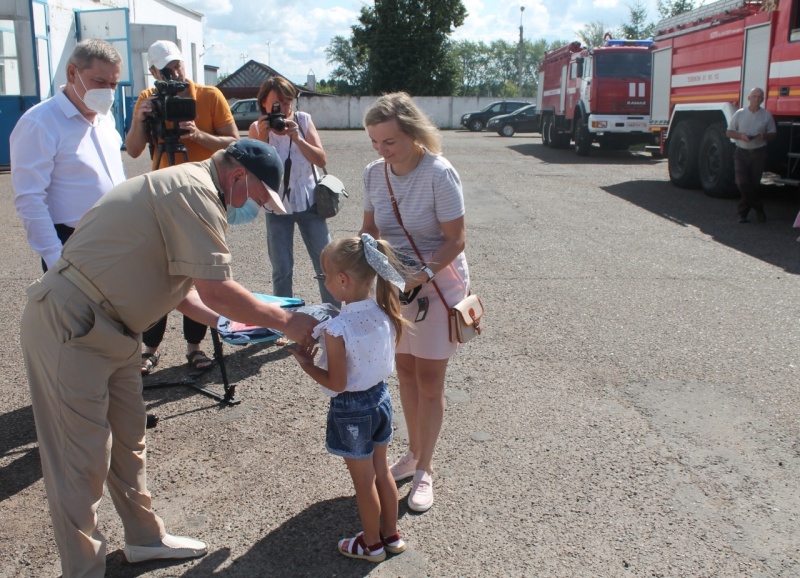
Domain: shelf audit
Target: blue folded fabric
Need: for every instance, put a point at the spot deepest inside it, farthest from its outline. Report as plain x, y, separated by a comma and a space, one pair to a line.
237, 333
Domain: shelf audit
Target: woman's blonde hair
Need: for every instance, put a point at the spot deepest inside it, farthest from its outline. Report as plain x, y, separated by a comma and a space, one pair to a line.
412, 121
348, 255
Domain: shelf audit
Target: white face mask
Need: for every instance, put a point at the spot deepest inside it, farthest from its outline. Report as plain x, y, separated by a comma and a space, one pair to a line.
99, 100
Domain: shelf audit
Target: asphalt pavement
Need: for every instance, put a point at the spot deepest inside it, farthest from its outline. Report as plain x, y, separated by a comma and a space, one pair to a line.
630, 409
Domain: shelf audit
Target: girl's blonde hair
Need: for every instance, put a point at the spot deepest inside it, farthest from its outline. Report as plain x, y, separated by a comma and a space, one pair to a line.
412, 121
348, 255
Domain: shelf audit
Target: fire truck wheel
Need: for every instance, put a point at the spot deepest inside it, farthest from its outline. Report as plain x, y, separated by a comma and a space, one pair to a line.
507, 130
583, 139
716, 163
546, 124
682, 155
476, 125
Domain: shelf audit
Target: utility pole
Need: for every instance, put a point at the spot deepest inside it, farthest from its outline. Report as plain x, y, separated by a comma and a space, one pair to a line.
521, 47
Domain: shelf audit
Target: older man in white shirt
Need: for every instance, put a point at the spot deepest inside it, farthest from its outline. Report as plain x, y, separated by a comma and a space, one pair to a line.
65, 151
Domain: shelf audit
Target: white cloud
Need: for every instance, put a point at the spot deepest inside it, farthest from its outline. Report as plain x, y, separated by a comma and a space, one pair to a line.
605, 4
292, 37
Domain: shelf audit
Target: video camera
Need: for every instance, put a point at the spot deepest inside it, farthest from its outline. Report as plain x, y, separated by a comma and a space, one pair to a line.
276, 119
167, 106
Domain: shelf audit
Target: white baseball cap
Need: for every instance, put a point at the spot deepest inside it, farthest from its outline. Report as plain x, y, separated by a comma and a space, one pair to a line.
162, 53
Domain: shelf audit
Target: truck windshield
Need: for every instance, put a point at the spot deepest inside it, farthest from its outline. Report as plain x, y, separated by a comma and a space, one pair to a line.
622, 65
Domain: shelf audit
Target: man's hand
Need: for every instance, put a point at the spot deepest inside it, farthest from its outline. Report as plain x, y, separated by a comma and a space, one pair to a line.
145, 109
189, 131
299, 328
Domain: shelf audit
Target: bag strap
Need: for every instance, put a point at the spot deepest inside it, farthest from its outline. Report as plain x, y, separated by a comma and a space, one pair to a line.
313, 166
408, 235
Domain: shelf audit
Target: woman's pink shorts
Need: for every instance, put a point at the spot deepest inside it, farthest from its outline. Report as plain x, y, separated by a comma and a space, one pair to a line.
429, 338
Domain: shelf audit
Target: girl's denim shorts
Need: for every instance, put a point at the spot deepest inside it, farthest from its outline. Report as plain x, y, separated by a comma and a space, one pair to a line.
358, 421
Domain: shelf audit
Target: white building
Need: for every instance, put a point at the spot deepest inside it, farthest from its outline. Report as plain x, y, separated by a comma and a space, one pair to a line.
37, 37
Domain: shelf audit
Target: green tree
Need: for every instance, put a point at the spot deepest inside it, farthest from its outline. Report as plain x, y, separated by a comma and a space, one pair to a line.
405, 43
593, 34
636, 27
335, 87
351, 70
669, 8
473, 67
491, 69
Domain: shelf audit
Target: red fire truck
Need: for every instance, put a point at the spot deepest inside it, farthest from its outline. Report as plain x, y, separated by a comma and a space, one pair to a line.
597, 94
705, 62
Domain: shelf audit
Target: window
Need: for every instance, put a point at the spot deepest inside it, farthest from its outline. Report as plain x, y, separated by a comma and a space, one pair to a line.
9, 64
625, 65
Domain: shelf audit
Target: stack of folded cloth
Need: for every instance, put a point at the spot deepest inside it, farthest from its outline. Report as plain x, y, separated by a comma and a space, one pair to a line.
237, 333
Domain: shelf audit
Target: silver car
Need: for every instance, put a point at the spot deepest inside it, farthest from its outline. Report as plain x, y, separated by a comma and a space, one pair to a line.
245, 111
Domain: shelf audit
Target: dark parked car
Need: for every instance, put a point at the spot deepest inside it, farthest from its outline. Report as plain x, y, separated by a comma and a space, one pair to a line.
521, 120
476, 121
245, 111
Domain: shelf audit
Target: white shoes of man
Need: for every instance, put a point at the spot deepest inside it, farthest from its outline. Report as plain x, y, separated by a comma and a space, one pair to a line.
170, 547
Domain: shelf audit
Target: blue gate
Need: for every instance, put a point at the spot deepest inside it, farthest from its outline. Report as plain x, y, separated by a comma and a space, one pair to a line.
11, 109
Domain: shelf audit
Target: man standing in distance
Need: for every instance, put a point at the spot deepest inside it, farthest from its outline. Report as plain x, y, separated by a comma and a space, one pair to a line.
65, 150
212, 130
751, 128
152, 244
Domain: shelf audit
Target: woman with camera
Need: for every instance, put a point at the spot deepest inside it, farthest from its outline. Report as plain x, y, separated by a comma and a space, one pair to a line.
430, 204
297, 141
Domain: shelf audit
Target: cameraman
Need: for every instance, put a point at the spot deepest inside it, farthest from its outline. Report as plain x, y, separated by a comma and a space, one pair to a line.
213, 129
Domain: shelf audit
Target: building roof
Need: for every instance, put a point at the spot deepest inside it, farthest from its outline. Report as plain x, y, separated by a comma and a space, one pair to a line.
247, 79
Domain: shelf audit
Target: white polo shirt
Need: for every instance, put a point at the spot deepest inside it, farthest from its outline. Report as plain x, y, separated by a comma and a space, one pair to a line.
61, 164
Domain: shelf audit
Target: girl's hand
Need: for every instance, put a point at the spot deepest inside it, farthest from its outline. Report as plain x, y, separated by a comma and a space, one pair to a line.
304, 355
417, 279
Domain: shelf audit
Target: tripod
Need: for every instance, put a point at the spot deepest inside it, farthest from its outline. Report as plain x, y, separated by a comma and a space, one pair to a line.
170, 144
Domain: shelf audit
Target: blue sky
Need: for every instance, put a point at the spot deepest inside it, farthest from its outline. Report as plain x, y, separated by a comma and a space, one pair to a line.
292, 36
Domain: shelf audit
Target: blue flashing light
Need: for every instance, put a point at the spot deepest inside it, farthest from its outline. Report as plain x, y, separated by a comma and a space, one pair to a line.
622, 42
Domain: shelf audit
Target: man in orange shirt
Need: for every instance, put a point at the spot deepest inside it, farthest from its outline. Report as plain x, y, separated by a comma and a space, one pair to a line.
213, 129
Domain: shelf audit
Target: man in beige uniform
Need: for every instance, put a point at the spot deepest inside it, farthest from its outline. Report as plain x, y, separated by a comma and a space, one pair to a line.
137, 254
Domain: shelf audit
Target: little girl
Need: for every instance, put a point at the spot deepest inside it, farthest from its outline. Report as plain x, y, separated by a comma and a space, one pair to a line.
358, 350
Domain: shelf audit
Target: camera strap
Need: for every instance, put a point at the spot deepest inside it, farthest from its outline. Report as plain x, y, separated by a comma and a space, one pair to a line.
287, 173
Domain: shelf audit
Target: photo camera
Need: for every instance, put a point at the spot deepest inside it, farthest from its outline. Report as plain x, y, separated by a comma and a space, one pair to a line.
276, 119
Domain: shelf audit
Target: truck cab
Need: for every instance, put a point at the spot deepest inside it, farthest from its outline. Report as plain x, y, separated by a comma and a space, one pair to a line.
598, 95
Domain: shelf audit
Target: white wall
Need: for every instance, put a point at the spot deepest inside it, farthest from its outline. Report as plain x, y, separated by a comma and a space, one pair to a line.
188, 25
62, 37
347, 112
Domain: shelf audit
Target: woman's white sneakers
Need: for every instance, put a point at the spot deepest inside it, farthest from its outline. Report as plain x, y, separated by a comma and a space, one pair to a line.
421, 497
404, 468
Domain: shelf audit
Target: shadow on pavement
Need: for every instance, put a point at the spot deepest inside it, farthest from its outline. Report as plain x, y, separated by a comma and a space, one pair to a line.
598, 156
304, 546
774, 242
241, 362
19, 432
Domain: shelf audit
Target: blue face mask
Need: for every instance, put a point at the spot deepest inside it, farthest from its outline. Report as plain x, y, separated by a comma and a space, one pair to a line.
245, 213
